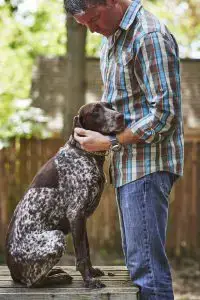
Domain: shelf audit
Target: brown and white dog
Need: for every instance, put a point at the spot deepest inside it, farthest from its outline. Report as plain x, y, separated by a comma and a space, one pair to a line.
62, 195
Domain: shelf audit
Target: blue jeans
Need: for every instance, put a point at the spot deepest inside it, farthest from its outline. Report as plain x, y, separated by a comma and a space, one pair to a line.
143, 211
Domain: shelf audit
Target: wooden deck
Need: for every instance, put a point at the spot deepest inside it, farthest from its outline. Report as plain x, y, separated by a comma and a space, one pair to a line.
118, 287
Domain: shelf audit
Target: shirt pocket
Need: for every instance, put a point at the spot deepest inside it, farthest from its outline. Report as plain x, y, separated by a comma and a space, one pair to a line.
123, 72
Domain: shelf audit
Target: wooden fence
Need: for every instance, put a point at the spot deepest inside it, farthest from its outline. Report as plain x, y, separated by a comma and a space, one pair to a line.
20, 162
184, 221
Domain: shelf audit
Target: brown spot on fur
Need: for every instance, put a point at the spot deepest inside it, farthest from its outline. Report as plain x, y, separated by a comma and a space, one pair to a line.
47, 176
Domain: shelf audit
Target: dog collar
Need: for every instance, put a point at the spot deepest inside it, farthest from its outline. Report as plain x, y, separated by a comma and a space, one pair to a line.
98, 153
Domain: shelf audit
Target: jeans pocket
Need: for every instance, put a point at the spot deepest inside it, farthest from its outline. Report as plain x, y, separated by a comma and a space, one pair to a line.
166, 181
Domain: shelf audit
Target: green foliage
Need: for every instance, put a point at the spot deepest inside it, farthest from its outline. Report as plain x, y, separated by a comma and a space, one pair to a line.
25, 34
182, 18
93, 44
23, 121
22, 40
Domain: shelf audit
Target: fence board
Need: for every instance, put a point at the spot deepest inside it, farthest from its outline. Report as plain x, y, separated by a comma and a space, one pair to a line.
23, 166
193, 214
35, 157
3, 199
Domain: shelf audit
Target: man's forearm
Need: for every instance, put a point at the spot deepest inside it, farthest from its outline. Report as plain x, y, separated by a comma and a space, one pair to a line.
95, 141
127, 137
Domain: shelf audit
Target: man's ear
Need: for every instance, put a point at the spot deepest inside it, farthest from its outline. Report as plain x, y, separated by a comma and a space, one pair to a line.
110, 3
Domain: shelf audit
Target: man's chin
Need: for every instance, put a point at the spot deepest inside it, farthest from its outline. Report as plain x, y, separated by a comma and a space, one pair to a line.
107, 33
104, 33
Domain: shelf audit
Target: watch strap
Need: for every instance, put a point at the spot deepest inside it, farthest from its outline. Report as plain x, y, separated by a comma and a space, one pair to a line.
115, 145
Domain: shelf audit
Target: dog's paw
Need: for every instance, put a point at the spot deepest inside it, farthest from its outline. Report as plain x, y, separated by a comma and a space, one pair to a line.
56, 270
95, 272
94, 284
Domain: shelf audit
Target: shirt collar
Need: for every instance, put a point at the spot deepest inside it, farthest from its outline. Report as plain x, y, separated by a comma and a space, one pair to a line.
130, 14
126, 22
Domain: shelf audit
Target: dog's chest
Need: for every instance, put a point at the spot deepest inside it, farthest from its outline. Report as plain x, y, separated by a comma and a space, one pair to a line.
76, 171
80, 179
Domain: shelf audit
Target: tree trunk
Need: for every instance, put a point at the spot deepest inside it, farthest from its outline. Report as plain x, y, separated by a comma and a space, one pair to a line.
76, 39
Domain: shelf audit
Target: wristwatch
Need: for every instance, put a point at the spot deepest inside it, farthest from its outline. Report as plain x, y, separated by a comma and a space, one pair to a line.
115, 145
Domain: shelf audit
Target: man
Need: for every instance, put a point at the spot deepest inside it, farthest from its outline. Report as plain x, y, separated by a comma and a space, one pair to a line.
140, 71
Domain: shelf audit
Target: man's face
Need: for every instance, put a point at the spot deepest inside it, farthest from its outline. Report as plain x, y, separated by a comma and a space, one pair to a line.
103, 19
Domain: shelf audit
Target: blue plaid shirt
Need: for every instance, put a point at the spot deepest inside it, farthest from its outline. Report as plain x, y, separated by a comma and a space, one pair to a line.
140, 72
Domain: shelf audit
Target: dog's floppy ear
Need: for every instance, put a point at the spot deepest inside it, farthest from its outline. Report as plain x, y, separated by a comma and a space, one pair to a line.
76, 123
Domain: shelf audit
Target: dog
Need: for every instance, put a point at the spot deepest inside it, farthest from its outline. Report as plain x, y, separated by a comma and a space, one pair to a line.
62, 195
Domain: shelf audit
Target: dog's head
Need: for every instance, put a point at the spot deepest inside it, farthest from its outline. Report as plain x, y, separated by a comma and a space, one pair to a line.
100, 117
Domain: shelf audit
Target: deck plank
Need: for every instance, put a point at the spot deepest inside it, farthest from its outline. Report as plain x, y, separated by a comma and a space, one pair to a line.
118, 287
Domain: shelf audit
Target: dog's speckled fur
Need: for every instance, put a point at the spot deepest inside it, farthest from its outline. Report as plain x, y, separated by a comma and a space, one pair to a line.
62, 195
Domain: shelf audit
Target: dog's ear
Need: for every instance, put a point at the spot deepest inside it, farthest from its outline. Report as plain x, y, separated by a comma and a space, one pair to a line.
76, 123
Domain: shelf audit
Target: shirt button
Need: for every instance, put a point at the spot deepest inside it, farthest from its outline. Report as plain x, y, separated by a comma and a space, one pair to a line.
134, 151
152, 131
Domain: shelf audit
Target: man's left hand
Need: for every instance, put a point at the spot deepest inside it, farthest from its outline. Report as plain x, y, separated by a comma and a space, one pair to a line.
91, 140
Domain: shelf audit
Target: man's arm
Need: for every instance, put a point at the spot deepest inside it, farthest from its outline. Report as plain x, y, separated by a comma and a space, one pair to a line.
156, 68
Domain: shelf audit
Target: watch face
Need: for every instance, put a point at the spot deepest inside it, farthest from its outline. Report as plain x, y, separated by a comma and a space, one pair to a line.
116, 147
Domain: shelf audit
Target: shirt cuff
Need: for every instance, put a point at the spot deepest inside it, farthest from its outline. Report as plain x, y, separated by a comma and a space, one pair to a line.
148, 135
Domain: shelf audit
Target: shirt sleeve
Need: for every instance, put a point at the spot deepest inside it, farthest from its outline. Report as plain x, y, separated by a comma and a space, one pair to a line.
156, 68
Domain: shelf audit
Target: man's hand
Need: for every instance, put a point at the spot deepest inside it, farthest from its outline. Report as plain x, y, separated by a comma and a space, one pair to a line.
91, 140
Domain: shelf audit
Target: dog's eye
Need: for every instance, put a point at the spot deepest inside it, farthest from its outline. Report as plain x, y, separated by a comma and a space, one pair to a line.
97, 108
95, 114
107, 105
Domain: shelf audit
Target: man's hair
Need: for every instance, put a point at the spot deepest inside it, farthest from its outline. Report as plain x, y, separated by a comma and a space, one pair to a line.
78, 6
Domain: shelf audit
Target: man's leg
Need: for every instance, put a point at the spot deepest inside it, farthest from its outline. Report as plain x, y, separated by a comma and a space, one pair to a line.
143, 210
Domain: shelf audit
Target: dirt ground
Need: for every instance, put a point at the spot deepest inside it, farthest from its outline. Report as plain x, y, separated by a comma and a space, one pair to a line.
186, 279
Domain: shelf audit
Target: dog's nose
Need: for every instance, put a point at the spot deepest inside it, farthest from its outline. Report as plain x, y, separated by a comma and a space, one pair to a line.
120, 118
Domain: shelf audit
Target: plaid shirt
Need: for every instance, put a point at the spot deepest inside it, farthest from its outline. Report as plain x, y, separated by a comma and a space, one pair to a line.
140, 72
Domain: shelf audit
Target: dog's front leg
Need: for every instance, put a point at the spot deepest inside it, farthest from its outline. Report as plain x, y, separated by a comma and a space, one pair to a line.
94, 272
81, 247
